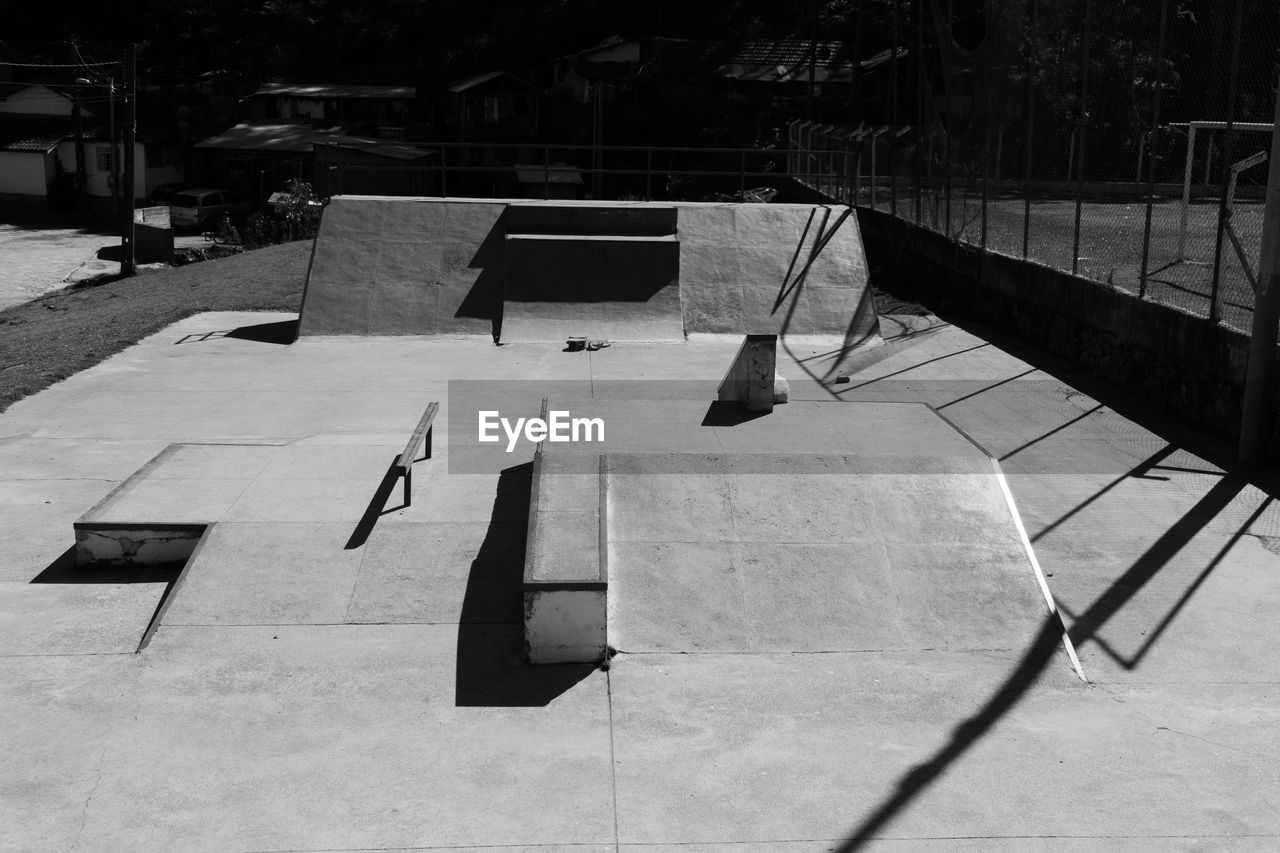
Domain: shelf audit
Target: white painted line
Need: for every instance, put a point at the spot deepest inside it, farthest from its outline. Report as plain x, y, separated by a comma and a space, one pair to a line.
1035, 564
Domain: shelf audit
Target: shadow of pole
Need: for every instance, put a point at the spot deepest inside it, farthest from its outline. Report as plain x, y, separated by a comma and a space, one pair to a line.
376, 508
1037, 657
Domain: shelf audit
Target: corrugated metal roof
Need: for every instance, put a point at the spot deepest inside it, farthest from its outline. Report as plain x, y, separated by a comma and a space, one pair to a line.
249, 136
787, 60
382, 148
337, 90
475, 80
38, 144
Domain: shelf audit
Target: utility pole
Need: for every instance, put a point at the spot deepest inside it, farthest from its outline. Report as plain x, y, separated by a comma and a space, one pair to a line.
1259, 399
128, 262
82, 183
811, 24
115, 145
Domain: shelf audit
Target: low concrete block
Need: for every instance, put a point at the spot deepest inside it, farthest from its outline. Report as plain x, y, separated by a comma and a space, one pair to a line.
565, 625
751, 379
565, 573
135, 545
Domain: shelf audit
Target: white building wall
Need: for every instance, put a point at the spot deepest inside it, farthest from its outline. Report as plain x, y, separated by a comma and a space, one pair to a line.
99, 179
25, 173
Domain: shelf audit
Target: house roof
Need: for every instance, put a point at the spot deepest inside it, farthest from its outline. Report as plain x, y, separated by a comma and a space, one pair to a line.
283, 137
38, 144
337, 90
380, 147
475, 80
302, 139
786, 60
8, 90
40, 133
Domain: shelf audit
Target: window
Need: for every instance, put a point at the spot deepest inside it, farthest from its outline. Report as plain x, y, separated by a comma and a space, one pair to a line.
104, 158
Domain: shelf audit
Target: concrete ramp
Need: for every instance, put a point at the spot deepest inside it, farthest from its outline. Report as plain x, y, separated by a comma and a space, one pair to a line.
809, 554
598, 272
533, 271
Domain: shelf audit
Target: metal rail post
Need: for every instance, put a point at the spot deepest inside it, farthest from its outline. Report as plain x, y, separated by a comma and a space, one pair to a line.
1085, 35
1228, 143
1259, 401
1152, 156
1031, 127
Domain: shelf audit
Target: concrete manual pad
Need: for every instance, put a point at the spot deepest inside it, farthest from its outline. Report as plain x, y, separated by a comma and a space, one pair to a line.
841, 561
267, 574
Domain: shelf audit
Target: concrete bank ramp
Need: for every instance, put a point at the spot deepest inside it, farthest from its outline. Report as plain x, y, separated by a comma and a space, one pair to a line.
542, 271
815, 554
822, 526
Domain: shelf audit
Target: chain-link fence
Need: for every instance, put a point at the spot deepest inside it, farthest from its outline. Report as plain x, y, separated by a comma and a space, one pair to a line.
1121, 140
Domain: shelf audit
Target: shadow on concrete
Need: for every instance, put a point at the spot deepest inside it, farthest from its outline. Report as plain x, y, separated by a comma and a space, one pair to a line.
491, 670
377, 506
484, 300
863, 325
1042, 651
281, 332
64, 570
727, 413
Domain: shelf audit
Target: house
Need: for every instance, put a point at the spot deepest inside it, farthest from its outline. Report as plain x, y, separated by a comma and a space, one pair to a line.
496, 106
256, 159
377, 112
353, 166
38, 153
306, 130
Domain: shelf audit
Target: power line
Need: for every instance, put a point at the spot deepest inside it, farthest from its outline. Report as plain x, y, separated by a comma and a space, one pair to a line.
54, 64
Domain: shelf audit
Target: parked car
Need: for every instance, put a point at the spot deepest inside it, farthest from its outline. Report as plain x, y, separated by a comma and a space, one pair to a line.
162, 193
204, 207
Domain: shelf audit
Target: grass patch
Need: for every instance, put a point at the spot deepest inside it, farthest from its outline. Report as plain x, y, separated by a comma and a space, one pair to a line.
64, 332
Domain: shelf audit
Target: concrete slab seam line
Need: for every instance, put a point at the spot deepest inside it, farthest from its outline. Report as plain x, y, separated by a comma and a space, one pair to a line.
1035, 564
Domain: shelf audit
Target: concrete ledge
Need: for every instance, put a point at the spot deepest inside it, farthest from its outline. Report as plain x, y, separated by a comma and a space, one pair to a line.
566, 565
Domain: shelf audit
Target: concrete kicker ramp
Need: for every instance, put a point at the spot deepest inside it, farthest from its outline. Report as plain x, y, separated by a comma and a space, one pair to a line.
535, 270
819, 527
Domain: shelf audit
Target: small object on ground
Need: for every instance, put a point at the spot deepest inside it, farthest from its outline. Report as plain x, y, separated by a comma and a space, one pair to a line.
842, 380
595, 345
781, 390
575, 344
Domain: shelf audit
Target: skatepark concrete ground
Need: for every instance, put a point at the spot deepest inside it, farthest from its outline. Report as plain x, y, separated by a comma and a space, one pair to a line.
338, 672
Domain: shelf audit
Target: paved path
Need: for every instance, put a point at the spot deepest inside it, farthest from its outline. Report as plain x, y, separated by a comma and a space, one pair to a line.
37, 256
335, 680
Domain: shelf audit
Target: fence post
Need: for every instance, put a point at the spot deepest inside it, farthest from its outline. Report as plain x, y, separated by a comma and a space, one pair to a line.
919, 92
1228, 144
1085, 35
1259, 401
546, 172
893, 116
1031, 126
443, 193
648, 174
1153, 154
